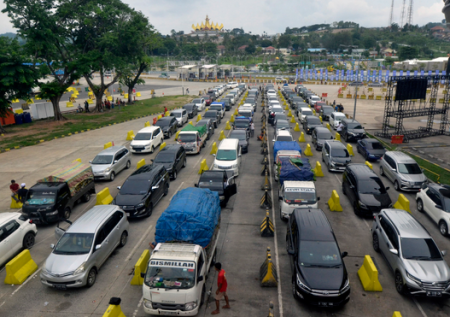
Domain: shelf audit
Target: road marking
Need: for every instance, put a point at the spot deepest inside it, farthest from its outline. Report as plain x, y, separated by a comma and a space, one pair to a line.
20, 287
138, 306
128, 258
178, 188
420, 307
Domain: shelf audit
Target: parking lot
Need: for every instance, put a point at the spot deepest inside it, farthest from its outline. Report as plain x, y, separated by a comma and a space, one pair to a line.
241, 249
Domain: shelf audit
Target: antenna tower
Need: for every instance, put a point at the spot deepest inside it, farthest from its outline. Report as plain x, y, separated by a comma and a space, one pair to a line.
410, 12
403, 13
391, 18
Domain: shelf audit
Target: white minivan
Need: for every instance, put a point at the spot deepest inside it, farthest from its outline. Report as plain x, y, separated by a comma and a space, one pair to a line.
147, 140
228, 156
181, 116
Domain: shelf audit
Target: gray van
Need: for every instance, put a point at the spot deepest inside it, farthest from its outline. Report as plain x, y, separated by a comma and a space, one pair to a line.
110, 162
335, 156
83, 248
352, 130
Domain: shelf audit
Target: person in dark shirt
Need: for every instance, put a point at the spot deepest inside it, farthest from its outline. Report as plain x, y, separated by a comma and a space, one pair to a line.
14, 187
22, 193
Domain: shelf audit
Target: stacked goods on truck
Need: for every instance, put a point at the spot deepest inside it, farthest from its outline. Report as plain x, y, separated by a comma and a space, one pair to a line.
186, 235
192, 138
285, 145
294, 169
54, 196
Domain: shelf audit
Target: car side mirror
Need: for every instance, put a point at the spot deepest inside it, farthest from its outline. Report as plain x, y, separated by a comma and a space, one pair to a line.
393, 251
291, 252
119, 187
443, 252
280, 198
90, 162
196, 185
239, 155
318, 198
199, 279
142, 275
344, 254
273, 140
155, 187
52, 246
214, 155
98, 246
115, 161
387, 188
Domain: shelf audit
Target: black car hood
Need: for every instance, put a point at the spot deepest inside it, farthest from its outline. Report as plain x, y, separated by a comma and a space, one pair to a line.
323, 278
128, 200
243, 143
214, 189
165, 128
357, 131
378, 200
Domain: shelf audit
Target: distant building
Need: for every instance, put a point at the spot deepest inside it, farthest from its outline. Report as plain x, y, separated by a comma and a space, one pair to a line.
242, 48
316, 50
207, 28
221, 49
269, 50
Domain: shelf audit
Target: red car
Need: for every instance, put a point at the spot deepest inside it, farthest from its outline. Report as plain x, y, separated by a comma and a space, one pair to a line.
207, 100
318, 106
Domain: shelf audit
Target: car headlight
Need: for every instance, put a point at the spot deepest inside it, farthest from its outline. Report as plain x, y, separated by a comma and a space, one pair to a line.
234, 166
302, 285
413, 278
107, 170
332, 164
52, 213
140, 205
190, 305
351, 133
148, 303
80, 269
346, 286
404, 182
361, 204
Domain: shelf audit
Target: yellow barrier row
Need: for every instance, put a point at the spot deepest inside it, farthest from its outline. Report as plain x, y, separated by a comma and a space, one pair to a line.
104, 197
334, 202
20, 268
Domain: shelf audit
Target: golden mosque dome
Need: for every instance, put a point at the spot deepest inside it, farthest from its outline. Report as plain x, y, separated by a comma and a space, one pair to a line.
207, 26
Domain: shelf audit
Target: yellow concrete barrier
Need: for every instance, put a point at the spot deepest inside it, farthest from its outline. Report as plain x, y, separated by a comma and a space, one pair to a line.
77, 160
130, 135
221, 136
138, 94
227, 126
14, 204
292, 119
287, 107
190, 122
147, 124
328, 126
166, 114
199, 117
337, 137
203, 166
69, 104
308, 151
267, 273
340, 95
301, 138
162, 146
104, 197
297, 127
159, 116
140, 267
114, 309
314, 111
20, 268
350, 149
318, 170
140, 164
369, 164
368, 274
320, 118
378, 97
334, 202
349, 96
235, 112
176, 134
397, 314
402, 203
232, 118
213, 149
107, 145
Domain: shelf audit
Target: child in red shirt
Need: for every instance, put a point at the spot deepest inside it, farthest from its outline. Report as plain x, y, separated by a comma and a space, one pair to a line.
221, 288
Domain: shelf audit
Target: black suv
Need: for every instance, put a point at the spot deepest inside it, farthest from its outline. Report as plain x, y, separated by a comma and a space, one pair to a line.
325, 112
143, 190
191, 110
173, 158
319, 136
319, 276
365, 190
310, 123
168, 125
352, 130
214, 116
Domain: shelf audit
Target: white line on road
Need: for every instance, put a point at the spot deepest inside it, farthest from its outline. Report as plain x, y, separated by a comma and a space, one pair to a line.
178, 188
420, 307
25, 283
138, 306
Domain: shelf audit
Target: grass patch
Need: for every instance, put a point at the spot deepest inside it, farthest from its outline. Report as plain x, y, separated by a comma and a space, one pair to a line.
434, 172
31, 133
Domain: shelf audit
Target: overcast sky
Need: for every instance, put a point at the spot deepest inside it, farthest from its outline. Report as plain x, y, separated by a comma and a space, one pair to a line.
272, 16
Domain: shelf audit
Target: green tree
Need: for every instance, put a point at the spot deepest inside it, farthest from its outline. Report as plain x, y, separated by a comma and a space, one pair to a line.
366, 54
211, 48
250, 49
407, 52
284, 41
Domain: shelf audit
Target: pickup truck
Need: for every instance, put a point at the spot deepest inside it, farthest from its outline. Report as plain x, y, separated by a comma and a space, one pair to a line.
193, 139
296, 194
186, 238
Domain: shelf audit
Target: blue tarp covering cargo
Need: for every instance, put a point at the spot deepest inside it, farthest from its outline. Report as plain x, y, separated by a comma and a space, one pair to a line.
191, 217
285, 145
295, 170
217, 103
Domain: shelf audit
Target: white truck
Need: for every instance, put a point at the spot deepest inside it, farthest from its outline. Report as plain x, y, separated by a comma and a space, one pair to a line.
174, 283
296, 194
193, 139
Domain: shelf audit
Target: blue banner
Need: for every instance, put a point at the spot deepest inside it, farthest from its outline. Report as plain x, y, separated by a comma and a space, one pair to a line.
429, 73
401, 73
408, 73
422, 73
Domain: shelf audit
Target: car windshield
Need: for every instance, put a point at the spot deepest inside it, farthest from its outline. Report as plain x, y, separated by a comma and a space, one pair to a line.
354, 126
446, 194
339, 153
327, 110
306, 112
375, 146
226, 155
169, 275
420, 249
176, 114
373, 185
190, 137
135, 187
319, 254
338, 117
412, 168
188, 107
209, 114
215, 107
282, 124
241, 124
284, 138
164, 158
300, 196
213, 184
74, 243
143, 137
314, 121
197, 101
162, 123
239, 136
104, 159
246, 114
276, 109
47, 197
324, 135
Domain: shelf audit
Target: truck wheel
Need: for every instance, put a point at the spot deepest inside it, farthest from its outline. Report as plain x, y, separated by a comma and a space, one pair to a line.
86, 197
28, 240
66, 214
202, 299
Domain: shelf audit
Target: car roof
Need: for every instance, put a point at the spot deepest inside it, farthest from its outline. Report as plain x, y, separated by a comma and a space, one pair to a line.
349, 120
321, 129
148, 129
302, 184
311, 117
165, 119
238, 132
372, 141
335, 144
147, 171
444, 190
7, 216
179, 110
313, 225
171, 148
406, 224
189, 104
400, 157
283, 133
338, 113
228, 144
92, 219
113, 149
327, 107
362, 170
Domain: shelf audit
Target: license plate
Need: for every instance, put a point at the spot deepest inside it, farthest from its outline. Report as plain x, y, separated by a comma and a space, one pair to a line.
168, 313
138, 150
60, 286
434, 294
128, 214
326, 304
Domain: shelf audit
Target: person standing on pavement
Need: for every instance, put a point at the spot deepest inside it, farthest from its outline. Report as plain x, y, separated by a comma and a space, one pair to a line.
221, 289
252, 129
86, 106
22, 193
339, 128
14, 187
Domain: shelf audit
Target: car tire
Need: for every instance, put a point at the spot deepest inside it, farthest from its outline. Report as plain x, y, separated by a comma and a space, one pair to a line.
356, 209
152, 150
112, 176
443, 229
184, 163
86, 197
66, 214
128, 165
123, 239
169, 135
174, 175
396, 186
399, 284
166, 190
344, 190
91, 278
28, 240
294, 290
149, 210
382, 171
420, 205
375, 243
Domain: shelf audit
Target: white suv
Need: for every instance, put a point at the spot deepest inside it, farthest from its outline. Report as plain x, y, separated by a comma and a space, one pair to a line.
434, 199
16, 233
147, 139
232, 84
